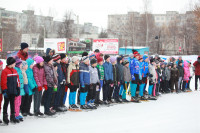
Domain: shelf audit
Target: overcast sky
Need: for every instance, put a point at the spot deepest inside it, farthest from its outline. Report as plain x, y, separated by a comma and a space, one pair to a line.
95, 11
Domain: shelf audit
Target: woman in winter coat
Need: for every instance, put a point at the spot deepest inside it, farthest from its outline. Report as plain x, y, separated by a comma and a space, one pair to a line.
31, 82
174, 78
40, 78
186, 76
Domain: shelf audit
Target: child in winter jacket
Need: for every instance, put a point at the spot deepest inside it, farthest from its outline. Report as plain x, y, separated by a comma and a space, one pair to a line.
108, 72
1, 98
10, 87
163, 81
120, 68
167, 77
51, 83
40, 79
152, 79
174, 78
100, 69
18, 68
32, 86
94, 81
84, 81
181, 74
127, 80
61, 85
186, 76
73, 82
25, 96
116, 81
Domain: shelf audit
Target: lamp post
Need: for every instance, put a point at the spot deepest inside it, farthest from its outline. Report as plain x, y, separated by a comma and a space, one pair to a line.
1, 38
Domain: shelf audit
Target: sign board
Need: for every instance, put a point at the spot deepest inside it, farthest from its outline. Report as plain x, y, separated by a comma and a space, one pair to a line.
59, 44
106, 46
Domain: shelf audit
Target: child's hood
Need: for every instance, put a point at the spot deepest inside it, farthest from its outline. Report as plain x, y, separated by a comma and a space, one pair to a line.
29, 62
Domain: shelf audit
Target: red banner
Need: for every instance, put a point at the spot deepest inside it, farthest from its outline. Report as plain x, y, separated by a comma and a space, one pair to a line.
1, 45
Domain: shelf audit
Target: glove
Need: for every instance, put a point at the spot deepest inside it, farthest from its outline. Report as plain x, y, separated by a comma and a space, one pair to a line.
150, 75
66, 88
39, 88
26, 89
18, 91
33, 90
5, 94
45, 87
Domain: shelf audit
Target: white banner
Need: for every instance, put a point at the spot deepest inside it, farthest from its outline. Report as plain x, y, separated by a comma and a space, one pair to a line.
59, 44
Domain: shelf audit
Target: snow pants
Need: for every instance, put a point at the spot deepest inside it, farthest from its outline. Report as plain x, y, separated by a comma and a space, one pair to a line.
17, 105
37, 100
10, 99
47, 99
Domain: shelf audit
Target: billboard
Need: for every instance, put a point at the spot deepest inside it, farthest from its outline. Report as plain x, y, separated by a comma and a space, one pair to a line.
106, 46
59, 44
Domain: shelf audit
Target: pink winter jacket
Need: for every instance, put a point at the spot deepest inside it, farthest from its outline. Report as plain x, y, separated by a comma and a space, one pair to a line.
186, 71
39, 76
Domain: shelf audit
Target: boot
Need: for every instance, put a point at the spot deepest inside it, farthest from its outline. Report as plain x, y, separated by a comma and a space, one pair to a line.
13, 119
30, 114
5, 119
0, 121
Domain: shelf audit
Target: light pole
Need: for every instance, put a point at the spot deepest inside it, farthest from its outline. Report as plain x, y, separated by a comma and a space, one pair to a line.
1, 38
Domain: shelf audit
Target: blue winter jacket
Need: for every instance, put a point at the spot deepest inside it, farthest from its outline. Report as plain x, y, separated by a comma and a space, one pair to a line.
61, 76
141, 71
84, 74
135, 68
22, 92
146, 69
108, 71
31, 81
131, 66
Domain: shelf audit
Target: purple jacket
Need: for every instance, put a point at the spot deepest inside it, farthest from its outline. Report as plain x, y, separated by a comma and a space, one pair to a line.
39, 76
50, 75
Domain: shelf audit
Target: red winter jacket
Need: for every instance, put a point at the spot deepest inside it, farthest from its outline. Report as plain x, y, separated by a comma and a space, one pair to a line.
196, 64
10, 80
39, 76
23, 56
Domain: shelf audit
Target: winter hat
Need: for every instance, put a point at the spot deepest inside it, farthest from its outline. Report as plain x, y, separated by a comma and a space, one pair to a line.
133, 50
47, 58
126, 62
91, 55
106, 57
131, 55
18, 62
85, 59
24, 63
97, 50
38, 59
74, 59
113, 59
152, 60
156, 55
136, 54
169, 64
145, 57
99, 59
1, 62
24, 45
119, 59
84, 54
62, 56
56, 57
10, 61
93, 61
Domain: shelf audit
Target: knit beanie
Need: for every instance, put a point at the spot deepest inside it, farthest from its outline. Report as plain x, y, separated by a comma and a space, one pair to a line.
24, 63
97, 50
74, 59
145, 57
113, 59
47, 58
38, 59
136, 54
85, 59
24, 45
18, 62
84, 54
99, 59
56, 57
62, 56
126, 62
10, 61
152, 60
119, 59
93, 61
106, 57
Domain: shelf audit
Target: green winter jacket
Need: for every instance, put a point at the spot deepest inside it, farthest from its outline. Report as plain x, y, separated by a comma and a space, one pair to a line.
22, 92
100, 69
31, 81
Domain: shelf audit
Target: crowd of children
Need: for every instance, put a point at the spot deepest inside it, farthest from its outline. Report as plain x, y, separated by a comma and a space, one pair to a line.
47, 80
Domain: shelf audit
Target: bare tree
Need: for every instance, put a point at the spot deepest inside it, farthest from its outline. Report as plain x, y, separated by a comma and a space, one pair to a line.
103, 34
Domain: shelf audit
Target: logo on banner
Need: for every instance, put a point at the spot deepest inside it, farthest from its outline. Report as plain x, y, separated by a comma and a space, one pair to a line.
61, 46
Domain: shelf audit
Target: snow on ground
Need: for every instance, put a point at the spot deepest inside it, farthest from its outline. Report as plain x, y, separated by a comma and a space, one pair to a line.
171, 113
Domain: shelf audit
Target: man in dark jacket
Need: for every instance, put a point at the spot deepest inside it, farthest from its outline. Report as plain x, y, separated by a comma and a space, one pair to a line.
181, 74
197, 71
120, 68
174, 78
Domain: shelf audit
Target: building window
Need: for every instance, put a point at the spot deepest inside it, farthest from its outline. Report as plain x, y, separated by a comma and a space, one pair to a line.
34, 40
